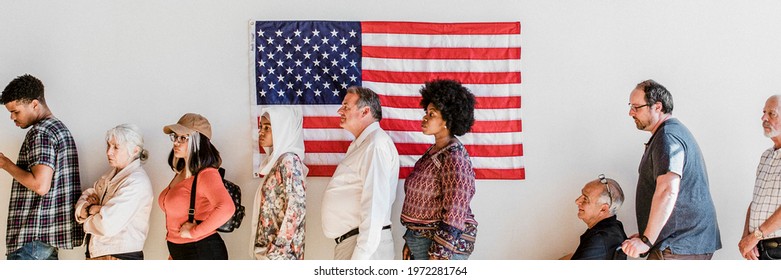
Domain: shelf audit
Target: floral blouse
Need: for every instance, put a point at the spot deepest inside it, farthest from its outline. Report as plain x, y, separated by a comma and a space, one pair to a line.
280, 232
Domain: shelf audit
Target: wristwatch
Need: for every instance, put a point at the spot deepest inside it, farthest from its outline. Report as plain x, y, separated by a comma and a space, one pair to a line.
646, 241
758, 234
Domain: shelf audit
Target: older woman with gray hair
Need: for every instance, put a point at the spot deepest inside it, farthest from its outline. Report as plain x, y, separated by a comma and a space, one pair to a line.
115, 211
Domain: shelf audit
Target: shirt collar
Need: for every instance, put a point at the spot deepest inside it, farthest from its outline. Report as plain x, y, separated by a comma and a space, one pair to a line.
125, 171
365, 133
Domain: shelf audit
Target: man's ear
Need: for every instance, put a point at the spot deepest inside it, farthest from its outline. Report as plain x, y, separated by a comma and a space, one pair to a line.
605, 207
659, 105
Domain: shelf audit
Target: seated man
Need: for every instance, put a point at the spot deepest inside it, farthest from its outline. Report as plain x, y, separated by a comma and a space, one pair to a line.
597, 206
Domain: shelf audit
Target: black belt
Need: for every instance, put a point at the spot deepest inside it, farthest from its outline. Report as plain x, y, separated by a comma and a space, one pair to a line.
770, 243
353, 232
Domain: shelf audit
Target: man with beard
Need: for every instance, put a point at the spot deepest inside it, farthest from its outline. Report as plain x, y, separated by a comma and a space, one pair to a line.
676, 218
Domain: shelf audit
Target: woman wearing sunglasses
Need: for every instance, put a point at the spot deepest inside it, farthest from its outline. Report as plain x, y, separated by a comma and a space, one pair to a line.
194, 155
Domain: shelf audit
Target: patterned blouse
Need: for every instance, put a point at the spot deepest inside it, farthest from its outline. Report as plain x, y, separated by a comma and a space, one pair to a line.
282, 210
436, 205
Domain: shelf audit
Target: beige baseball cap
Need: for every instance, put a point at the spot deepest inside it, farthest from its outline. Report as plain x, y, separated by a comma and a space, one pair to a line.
188, 123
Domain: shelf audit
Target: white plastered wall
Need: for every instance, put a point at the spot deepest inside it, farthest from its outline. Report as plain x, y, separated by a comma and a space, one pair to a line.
148, 62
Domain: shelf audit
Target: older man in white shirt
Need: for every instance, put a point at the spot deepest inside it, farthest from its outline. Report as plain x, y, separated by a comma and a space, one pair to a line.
357, 202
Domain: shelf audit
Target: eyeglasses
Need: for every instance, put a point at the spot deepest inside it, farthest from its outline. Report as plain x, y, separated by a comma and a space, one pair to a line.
603, 180
635, 108
179, 138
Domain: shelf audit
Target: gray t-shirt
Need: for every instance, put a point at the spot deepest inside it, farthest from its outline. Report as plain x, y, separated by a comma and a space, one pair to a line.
692, 227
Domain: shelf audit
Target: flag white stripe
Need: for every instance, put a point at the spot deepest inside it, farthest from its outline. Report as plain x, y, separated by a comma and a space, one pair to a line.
440, 65
503, 138
480, 114
495, 90
415, 113
442, 41
409, 160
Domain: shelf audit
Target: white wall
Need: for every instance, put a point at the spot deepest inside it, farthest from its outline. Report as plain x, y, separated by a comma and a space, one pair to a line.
148, 62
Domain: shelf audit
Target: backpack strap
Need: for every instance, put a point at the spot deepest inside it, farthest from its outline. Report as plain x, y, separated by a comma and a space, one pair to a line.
191, 212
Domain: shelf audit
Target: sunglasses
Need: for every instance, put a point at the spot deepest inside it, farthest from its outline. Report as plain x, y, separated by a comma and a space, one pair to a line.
603, 180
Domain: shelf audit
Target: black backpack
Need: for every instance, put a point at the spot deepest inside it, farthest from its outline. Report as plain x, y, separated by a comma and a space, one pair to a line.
235, 192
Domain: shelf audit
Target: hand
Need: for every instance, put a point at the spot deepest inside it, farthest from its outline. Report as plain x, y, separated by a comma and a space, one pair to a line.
748, 247
93, 199
84, 214
94, 209
184, 231
633, 247
4, 161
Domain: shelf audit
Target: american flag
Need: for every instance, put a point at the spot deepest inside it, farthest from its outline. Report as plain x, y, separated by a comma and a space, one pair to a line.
311, 63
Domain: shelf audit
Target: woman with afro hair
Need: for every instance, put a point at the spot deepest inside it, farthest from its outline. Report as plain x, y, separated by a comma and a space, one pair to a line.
436, 211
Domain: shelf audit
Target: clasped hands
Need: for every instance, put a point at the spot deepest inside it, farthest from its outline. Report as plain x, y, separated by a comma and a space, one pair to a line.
634, 246
92, 207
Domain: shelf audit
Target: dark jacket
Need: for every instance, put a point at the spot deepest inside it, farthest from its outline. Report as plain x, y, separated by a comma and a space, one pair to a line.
600, 242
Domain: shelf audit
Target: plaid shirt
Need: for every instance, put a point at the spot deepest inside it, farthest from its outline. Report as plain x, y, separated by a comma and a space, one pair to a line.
47, 218
767, 191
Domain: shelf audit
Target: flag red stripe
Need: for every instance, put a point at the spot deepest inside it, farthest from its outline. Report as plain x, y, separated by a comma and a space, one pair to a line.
313, 146
515, 150
480, 173
321, 122
478, 127
500, 174
499, 102
322, 170
477, 28
441, 53
473, 150
414, 125
422, 77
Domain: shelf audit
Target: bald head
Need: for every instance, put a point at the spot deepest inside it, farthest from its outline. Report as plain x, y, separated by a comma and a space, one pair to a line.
615, 193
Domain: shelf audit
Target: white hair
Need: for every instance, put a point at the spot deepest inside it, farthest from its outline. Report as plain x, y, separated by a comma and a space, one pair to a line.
129, 135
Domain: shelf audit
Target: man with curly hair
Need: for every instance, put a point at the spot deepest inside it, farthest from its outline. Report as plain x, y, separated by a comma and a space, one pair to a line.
357, 202
46, 181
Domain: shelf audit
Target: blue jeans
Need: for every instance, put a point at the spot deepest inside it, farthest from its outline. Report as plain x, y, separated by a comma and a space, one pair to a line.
34, 250
418, 246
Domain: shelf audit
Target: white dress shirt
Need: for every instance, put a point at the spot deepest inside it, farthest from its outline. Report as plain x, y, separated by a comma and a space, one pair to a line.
362, 190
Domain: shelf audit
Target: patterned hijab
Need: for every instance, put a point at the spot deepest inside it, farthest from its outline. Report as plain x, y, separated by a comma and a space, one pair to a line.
287, 132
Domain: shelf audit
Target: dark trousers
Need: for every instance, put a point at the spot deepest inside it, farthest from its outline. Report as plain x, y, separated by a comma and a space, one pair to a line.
667, 254
209, 248
769, 249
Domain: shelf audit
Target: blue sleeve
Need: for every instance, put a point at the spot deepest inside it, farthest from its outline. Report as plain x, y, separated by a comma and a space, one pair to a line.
668, 155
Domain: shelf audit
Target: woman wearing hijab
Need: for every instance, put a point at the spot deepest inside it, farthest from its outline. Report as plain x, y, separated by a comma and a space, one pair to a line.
281, 198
